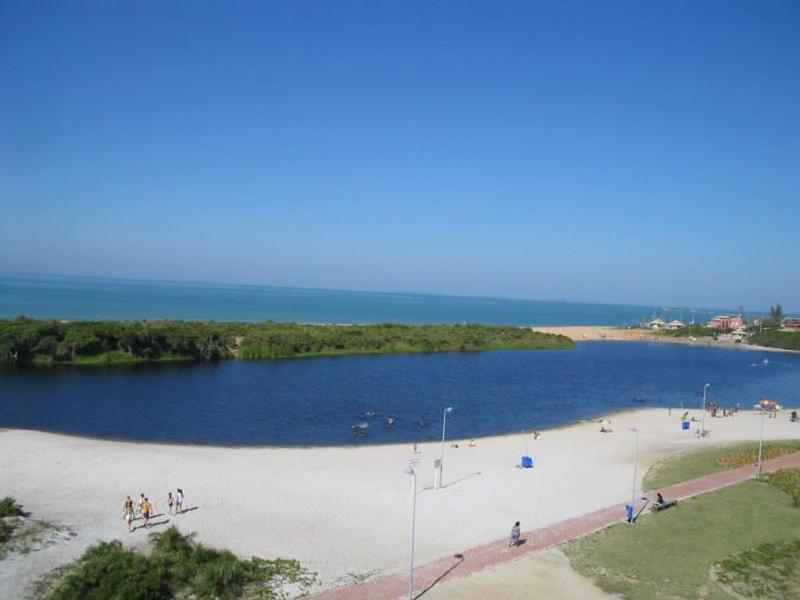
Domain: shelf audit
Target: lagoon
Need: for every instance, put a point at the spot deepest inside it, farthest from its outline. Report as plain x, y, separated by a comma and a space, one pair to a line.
314, 401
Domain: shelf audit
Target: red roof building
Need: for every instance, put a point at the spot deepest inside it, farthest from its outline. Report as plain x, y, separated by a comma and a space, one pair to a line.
726, 322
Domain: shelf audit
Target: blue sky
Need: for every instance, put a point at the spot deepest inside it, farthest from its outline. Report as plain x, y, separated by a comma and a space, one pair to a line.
639, 152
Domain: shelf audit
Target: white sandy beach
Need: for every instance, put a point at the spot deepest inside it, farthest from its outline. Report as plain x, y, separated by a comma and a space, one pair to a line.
588, 333
339, 510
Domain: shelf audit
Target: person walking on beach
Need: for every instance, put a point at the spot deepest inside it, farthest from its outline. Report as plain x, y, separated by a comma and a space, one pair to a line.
127, 513
179, 502
139, 503
146, 509
514, 535
170, 502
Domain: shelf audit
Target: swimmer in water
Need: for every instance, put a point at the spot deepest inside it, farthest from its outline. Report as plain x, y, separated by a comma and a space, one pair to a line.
369, 414
390, 421
421, 424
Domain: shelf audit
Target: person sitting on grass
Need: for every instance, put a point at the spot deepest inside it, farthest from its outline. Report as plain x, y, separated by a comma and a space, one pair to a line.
659, 499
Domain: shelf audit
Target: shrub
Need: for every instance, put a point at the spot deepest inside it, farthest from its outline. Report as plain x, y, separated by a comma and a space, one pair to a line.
9, 508
177, 564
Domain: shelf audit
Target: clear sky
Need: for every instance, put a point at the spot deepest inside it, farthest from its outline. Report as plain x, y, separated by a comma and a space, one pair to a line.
638, 152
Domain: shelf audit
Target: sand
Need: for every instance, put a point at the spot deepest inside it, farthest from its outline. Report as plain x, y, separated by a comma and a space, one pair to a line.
339, 510
544, 574
601, 332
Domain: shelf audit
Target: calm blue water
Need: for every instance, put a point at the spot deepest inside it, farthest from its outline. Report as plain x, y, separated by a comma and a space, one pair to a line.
316, 400
94, 298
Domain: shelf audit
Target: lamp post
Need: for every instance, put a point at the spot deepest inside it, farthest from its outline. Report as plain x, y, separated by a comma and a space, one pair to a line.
760, 443
635, 431
409, 470
447, 410
703, 416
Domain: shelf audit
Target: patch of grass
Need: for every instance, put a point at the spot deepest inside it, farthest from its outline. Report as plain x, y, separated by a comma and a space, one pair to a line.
356, 578
670, 554
787, 480
770, 570
176, 565
706, 461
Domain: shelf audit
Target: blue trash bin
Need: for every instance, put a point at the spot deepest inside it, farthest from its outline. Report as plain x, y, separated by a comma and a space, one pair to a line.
629, 513
685, 424
527, 462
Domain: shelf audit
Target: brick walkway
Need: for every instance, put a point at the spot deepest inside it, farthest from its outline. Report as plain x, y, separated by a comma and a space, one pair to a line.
392, 587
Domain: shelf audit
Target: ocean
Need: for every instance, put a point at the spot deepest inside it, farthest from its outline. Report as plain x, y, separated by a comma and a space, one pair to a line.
99, 298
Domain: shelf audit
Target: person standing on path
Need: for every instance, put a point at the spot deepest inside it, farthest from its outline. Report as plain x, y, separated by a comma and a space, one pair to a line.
170, 502
179, 502
514, 535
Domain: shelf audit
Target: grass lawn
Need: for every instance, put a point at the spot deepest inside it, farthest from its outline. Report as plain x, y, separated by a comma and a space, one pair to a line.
697, 463
670, 554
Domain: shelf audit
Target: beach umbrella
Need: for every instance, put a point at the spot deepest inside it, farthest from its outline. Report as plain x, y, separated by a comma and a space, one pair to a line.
604, 422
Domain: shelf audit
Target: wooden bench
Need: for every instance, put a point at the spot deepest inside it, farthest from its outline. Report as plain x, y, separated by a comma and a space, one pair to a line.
667, 503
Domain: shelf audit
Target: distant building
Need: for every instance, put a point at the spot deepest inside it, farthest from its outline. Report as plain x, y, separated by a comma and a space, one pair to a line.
739, 335
791, 325
726, 322
656, 324
675, 325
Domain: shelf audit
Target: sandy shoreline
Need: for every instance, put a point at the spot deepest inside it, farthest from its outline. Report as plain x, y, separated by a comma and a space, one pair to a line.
602, 333
339, 510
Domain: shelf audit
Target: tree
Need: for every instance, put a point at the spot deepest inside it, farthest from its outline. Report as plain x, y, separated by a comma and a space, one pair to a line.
776, 313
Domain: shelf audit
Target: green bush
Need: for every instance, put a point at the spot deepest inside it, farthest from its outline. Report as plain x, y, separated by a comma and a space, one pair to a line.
177, 564
9, 508
110, 571
24, 340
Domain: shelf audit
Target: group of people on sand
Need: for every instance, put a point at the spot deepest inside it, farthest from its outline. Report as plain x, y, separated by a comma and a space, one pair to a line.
143, 508
715, 411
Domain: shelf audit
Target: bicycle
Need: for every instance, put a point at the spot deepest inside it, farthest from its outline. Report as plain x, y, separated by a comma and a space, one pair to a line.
702, 433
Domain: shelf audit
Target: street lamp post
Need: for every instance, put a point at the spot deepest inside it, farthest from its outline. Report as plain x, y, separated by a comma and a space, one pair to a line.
703, 416
635, 431
760, 443
447, 410
409, 470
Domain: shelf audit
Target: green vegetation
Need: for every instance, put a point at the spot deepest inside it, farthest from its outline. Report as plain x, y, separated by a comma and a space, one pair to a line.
696, 331
176, 566
670, 554
776, 313
787, 480
25, 340
20, 534
10, 508
774, 338
770, 570
706, 461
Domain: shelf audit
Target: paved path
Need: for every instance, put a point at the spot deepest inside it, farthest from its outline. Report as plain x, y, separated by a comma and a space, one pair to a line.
392, 587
